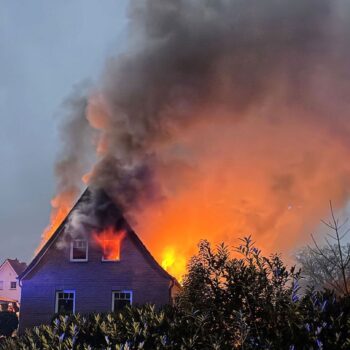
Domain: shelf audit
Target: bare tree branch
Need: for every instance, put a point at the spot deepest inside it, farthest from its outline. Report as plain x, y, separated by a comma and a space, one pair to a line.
329, 265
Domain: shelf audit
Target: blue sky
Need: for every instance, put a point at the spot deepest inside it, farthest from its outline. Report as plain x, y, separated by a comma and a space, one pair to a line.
46, 48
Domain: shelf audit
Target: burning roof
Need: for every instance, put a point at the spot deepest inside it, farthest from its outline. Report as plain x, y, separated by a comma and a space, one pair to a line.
219, 119
95, 210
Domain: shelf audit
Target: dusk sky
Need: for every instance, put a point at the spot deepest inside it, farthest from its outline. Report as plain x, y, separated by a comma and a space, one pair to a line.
47, 47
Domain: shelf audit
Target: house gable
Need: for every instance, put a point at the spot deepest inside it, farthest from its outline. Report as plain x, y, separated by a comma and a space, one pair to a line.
59, 238
9, 288
93, 283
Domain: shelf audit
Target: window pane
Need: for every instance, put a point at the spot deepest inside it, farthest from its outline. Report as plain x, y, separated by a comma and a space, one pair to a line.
111, 250
65, 306
79, 250
13, 285
121, 299
1, 284
120, 304
80, 244
65, 302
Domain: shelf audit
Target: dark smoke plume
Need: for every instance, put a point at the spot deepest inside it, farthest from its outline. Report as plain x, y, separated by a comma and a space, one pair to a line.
191, 63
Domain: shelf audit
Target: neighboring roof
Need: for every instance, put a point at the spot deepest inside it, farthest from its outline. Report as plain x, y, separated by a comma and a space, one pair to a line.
16, 265
7, 300
85, 197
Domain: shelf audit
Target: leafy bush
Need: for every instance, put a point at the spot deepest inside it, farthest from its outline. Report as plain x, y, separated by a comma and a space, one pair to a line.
8, 323
254, 302
134, 328
245, 302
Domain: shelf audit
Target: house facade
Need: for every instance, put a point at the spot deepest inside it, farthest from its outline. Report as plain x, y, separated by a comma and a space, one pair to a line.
95, 270
10, 290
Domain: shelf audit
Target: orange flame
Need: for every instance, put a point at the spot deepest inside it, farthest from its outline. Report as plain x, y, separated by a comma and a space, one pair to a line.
61, 205
109, 240
173, 262
222, 181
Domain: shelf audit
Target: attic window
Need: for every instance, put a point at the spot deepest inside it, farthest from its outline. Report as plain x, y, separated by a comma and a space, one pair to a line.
1, 285
110, 250
13, 285
120, 299
110, 240
79, 250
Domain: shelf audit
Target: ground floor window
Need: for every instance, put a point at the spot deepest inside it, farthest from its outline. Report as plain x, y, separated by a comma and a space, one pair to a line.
65, 301
121, 298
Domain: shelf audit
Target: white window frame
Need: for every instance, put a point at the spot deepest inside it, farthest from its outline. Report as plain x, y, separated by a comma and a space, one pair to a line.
64, 291
114, 292
11, 285
87, 250
103, 252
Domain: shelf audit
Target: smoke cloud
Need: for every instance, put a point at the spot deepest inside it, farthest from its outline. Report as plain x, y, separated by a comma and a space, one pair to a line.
221, 118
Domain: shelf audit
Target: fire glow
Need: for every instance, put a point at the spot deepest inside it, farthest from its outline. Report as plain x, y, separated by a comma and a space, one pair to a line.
109, 240
61, 205
214, 128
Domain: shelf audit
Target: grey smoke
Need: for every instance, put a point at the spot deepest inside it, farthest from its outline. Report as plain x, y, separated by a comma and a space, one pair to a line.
77, 151
188, 56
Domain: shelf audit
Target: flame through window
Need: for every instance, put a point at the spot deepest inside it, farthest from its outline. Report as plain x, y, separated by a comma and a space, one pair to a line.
110, 242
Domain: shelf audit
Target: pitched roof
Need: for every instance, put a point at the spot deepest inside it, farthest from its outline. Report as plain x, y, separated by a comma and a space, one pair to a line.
85, 198
16, 265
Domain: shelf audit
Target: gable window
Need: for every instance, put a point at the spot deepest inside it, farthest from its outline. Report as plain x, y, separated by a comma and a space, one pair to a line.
110, 240
13, 285
1, 285
65, 302
110, 250
121, 298
79, 250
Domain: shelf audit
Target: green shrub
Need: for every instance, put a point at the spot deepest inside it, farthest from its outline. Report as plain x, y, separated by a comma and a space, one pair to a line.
246, 302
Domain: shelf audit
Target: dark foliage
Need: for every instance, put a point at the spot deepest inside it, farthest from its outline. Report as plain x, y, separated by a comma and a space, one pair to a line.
246, 302
254, 302
8, 323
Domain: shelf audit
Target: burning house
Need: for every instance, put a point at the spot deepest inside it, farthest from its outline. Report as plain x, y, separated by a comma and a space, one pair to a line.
94, 262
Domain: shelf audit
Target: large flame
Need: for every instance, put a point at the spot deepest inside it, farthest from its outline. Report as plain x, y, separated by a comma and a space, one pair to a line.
61, 205
270, 180
109, 240
239, 128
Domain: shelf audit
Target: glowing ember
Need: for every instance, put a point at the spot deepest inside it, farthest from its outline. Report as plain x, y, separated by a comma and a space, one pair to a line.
110, 242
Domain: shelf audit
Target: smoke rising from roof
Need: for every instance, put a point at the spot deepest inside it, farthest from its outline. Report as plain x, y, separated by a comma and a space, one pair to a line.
209, 92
